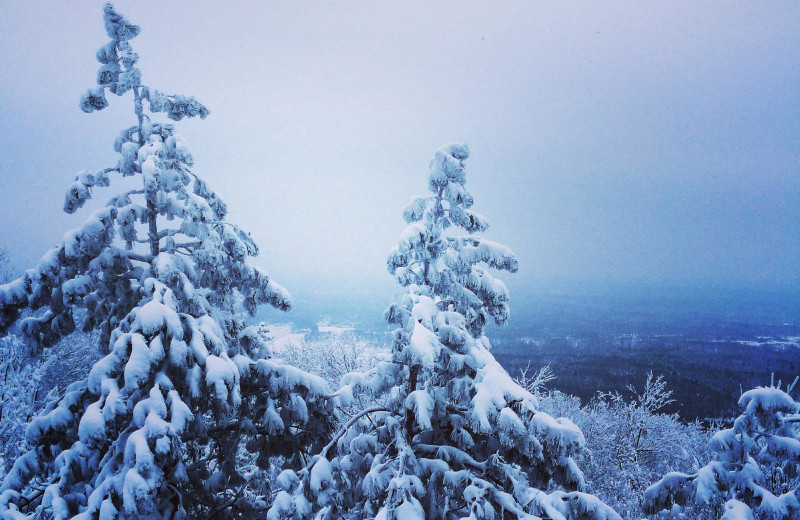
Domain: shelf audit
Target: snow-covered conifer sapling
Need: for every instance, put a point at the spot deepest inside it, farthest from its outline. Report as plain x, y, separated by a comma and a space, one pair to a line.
457, 437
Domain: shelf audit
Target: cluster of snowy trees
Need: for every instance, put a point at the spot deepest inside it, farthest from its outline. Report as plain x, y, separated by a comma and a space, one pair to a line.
649, 464
188, 413
30, 380
754, 470
630, 443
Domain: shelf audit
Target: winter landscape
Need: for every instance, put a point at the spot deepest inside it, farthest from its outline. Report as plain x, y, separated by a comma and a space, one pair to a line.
622, 342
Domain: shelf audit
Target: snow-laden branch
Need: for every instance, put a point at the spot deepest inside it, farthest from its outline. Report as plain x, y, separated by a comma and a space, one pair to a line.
344, 429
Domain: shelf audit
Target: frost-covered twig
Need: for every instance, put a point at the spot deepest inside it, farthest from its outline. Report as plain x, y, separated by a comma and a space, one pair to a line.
536, 382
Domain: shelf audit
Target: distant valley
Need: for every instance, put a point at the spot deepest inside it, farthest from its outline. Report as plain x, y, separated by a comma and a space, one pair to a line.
708, 346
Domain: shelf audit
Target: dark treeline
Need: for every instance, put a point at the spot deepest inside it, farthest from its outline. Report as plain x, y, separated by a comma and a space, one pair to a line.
706, 377
709, 346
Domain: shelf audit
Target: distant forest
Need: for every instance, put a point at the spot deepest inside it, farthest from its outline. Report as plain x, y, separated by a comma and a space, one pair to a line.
706, 377
708, 347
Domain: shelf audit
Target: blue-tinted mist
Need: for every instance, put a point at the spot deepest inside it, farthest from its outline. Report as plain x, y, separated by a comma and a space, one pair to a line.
613, 145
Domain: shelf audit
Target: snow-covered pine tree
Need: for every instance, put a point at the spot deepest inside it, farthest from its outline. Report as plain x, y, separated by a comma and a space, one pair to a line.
457, 437
755, 467
162, 425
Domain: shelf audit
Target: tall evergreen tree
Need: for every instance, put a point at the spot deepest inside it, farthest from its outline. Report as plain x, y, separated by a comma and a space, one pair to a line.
162, 425
457, 437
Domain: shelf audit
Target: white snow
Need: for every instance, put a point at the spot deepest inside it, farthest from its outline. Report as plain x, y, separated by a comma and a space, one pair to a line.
137, 368
154, 316
92, 426
422, 403
221, 374
423, 347
321, 475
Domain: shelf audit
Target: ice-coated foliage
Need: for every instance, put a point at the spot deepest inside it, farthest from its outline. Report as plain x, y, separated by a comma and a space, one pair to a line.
333, 356
454, 436
630, 443
755, 467
159, 427
29, 382
21, 379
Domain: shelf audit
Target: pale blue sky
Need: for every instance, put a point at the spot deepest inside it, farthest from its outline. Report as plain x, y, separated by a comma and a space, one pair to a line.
650, 142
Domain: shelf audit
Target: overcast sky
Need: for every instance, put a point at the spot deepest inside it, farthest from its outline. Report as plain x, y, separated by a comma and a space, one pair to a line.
649, 142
